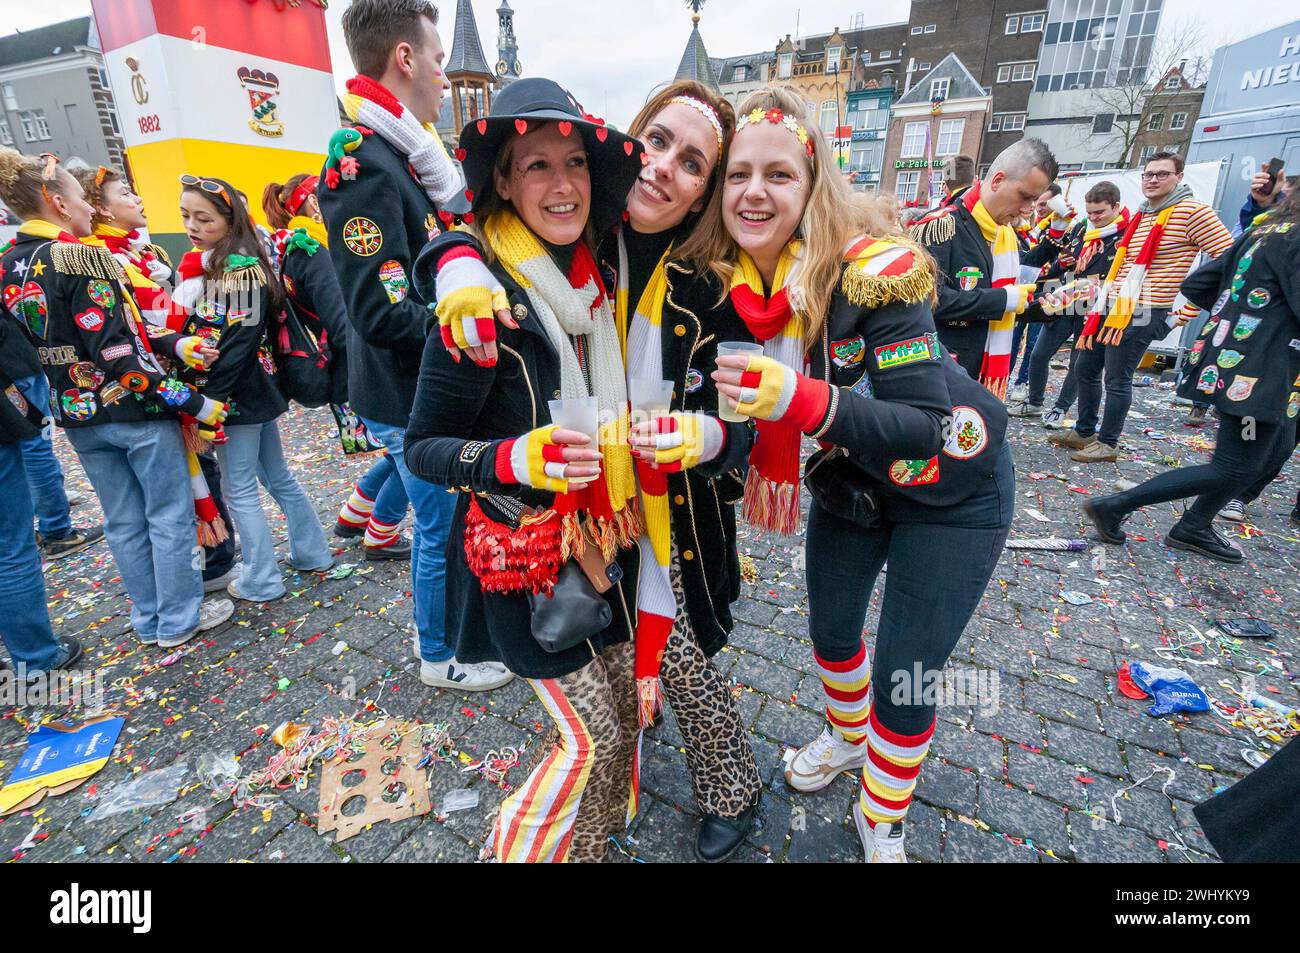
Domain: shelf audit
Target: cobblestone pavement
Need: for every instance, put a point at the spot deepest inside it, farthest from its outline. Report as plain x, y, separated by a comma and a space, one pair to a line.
1036, 777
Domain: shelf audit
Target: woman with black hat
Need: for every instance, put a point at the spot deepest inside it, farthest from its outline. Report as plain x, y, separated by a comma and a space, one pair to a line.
1247, 361
227, 294
543, 179
673, 322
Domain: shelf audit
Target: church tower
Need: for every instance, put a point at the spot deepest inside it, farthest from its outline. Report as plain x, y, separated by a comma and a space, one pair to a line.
467, 70
695, 60
508, 68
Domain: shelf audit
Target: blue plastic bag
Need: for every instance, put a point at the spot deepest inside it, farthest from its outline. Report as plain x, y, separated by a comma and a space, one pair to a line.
1172, 689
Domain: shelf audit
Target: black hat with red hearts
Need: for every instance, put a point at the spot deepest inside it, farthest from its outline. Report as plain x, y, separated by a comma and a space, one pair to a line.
614, 159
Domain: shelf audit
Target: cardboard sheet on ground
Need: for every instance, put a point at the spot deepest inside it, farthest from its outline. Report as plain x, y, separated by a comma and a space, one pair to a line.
58, 758
391, 787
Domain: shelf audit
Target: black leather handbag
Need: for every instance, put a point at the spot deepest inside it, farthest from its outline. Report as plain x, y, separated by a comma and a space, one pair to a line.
572, 613
840, 486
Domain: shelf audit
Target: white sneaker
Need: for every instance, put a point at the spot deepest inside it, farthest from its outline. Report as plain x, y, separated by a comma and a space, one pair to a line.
1018, 392
211, 615
1023, 408
218, 583
474, 677
884, 845
818, 763
1052, 419
1234, 512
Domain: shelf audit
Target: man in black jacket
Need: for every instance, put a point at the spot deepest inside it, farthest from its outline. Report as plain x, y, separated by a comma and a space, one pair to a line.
967, 299
26, 630
382, 201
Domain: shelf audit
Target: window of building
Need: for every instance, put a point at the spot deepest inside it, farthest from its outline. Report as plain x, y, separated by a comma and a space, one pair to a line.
833, 54
866, 56
1156, 122
6, 137
1178, 121
914, 140
112, 121
886, 54
784, 65
35, 128
830, 116
739, 75
907, 185
916, 31
1032, 23
995, 124
1013, 122
923, 66
1147, 153
1013, 25
1022, 73
765, 71
1004, 74
1174, 82
939, 88
931, 27
11, 101
1103, 122
950, 133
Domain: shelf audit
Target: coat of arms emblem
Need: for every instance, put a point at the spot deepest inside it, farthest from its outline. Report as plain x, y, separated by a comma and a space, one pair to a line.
262, 88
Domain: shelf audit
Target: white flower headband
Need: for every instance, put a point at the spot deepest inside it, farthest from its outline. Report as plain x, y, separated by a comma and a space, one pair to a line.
777, 118
705, 110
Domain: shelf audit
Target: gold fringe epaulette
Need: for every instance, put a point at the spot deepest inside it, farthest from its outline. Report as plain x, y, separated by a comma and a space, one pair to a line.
161, 253
85, 260
875, 275
936, 230
241, 279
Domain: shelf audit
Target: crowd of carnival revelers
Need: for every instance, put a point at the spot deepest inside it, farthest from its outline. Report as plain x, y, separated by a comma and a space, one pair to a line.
578, 356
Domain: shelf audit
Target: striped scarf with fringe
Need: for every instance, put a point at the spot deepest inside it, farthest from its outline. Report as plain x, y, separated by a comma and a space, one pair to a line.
995, 370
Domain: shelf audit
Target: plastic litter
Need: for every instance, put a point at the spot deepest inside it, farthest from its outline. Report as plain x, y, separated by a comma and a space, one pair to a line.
146, 790
1172, 689
215, 770
462, 799
1076, 598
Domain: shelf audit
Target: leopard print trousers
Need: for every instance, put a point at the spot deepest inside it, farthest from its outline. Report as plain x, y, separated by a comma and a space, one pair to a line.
724, 774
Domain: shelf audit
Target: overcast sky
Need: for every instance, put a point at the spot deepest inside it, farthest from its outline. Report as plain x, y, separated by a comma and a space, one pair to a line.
611, 53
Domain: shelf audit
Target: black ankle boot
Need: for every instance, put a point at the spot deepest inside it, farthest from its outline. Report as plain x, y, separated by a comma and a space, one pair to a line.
1206, 542
1107, 514
720, 836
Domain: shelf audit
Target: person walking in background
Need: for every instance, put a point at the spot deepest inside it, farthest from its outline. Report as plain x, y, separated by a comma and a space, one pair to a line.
1134, 308
378, 501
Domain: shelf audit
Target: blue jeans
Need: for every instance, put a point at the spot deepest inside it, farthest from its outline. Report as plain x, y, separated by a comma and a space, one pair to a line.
433, 506
383, 484
252, 452
1023, 329
24, 620
139, 472
44, 475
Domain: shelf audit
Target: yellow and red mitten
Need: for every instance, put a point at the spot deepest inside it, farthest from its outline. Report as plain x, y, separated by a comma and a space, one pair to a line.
534, 459
187, 349
684, 440
469, 296
771, 391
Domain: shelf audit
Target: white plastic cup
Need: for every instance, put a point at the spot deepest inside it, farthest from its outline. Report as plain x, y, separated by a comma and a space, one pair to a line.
649, 397
578, 413
1059, 205
726, 349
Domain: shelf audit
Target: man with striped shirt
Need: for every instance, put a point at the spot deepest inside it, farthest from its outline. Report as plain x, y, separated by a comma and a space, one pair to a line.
1153, 258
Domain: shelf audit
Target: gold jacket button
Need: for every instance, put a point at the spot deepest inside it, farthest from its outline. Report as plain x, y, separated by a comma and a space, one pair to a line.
680, 330
679, 499
556, 395
687, 555
519, 312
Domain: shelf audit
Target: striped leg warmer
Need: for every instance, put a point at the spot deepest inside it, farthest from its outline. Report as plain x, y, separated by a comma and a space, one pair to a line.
889, 777
847, 702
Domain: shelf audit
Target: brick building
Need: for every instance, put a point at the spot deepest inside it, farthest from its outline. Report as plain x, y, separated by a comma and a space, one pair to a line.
1168, 117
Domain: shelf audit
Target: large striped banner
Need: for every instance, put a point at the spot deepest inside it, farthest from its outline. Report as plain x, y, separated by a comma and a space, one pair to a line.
239, 89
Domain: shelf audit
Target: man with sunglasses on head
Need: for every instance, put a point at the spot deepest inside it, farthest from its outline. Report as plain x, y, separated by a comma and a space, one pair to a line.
1135, 306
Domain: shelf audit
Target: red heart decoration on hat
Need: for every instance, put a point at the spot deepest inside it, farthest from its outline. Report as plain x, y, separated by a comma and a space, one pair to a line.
461, 154
481, 125
468, 218
602, 134
469, 196
566, 128
628, 147
521, 125
446, 217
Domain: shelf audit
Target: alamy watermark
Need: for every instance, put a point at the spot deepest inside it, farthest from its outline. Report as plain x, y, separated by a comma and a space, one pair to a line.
21, 688
958, 686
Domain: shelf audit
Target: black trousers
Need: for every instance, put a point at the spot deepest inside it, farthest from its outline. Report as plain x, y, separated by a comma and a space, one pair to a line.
1283, 447
1054, 334
1117, 362
1238, 462
940, 562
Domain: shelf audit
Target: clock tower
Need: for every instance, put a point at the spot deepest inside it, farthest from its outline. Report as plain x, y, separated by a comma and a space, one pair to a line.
508, 68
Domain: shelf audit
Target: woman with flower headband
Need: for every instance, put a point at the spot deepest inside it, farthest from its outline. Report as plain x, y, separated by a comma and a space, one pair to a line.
919, 471
688, 460
227, 294
111, 395
117, 223
378, 500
